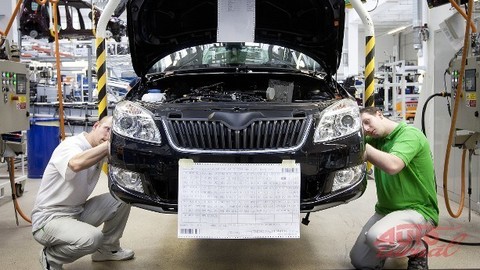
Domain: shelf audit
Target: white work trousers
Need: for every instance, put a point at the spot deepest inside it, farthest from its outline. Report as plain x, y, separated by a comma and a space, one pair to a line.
398, 234
68, 238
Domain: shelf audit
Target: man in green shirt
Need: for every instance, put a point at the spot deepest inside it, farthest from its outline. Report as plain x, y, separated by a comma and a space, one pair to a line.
407, 207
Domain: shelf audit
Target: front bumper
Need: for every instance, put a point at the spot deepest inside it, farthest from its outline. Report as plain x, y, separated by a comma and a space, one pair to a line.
158, 166
314, 204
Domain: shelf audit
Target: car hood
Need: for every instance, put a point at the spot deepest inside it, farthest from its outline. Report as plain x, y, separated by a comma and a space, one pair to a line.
157, 28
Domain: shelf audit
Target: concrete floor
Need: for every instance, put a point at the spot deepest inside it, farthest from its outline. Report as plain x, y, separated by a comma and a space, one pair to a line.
324, 244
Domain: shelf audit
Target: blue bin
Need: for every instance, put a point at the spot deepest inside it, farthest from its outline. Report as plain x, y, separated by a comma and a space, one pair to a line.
42, 138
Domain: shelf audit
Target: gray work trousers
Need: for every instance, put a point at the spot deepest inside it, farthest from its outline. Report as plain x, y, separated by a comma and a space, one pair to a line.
68, 238
397, 234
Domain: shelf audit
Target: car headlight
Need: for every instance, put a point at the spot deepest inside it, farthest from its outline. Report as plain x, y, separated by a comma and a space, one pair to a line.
127, 179
338, 120
347, 177
132, 121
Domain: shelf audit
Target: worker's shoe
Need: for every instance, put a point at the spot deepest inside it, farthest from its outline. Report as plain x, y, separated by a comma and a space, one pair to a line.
47, 265
118, 255
419, 261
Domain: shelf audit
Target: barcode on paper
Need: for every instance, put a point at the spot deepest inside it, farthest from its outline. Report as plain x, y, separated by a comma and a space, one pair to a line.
189, 231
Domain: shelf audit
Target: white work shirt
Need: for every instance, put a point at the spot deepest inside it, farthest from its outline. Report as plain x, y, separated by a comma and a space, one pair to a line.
63, 192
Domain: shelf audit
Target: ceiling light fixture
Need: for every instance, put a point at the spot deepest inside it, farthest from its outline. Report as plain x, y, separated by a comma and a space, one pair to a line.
396, 30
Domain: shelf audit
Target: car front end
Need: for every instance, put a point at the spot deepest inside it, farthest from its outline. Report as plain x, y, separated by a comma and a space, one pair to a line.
259, 102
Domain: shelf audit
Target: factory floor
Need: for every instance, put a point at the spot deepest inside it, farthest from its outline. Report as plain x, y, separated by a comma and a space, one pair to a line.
324, 243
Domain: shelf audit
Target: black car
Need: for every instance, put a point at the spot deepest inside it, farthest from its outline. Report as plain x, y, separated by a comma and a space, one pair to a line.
75, 20
260, 98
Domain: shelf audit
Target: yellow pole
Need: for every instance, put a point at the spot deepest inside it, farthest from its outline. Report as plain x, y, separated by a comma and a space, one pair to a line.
369, 72
101, 77
101, 83
368, 95
100, 34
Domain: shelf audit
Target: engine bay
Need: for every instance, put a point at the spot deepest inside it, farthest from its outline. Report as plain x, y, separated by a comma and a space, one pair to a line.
242, 87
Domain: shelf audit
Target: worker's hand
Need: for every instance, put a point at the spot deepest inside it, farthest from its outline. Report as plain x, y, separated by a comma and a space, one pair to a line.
365, 156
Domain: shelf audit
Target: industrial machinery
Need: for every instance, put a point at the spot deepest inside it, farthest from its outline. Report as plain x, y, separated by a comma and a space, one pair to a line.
14, 106
14, 100
436, 3
14, 109
468, 111
466, 118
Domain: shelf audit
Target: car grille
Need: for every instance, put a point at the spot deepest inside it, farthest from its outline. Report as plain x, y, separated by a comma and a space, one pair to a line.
260, 135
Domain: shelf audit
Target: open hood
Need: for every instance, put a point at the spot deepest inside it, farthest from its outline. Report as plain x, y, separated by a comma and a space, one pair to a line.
157, 28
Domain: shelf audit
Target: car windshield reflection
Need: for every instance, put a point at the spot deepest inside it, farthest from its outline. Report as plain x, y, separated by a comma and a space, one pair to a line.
236, 54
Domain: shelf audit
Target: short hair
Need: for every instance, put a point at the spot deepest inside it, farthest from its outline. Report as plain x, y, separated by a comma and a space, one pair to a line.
370, 110
104, 119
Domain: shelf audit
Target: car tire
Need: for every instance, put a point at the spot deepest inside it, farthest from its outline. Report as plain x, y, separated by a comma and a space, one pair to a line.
108, 34
19, 190
33, 33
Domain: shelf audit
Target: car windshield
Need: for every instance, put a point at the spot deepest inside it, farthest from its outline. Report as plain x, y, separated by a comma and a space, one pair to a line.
236, 54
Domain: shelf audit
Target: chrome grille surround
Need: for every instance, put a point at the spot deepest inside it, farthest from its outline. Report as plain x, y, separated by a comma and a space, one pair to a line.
260, 136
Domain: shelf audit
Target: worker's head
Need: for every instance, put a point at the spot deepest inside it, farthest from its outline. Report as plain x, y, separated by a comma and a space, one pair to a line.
101, 131
374, 123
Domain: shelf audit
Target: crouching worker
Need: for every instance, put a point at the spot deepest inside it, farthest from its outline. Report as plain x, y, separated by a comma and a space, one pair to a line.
63, 220
406, 208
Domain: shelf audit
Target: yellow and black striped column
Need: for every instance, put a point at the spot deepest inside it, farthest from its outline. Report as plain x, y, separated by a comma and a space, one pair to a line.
369, 72
101, 77
101, 83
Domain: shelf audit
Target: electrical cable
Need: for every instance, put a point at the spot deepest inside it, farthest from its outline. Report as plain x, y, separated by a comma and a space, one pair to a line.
10, 22
449, 94
11, 168
465, 16
458, 95
475, 244
424, 108
375, 7
59, 77
94, 23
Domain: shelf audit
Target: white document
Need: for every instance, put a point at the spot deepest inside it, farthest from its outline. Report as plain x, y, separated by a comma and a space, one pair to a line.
238, 201
236, 21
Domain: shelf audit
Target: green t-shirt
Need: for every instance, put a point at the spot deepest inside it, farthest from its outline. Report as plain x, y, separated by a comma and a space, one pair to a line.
414, 186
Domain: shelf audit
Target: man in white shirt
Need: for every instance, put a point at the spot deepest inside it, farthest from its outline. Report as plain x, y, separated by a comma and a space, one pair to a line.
64, 220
